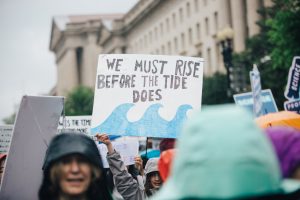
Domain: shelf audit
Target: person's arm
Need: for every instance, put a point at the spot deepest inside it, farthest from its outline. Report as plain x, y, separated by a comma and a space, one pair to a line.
126, 185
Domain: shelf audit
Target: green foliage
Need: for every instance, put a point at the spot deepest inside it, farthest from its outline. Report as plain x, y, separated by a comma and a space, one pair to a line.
215, 90
284, 33
79, 101
10, 120
280, 39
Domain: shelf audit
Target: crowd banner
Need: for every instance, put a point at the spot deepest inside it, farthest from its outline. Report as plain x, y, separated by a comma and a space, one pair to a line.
145, 95
256, 91
246, 100
128, 149
292, 91
5, 138
36, 124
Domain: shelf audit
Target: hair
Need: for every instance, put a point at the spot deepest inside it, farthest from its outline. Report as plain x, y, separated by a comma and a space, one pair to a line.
50, 188
148, 184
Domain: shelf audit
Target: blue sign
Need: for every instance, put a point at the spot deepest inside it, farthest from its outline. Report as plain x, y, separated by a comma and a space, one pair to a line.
246, 100
292, 106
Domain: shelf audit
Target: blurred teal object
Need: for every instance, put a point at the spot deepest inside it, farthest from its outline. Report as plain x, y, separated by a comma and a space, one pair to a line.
151, 153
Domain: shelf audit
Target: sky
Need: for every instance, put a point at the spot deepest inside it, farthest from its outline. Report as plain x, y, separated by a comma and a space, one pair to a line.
27, 67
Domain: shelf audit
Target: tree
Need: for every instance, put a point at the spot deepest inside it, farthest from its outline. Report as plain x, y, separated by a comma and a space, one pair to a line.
10, 120
284, 33
274, 41
215, 90
79, 101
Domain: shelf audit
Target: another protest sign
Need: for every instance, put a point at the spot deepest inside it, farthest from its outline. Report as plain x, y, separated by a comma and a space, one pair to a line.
292, 91
145, 95
80, 124
5, 138
36, 123
128, 149
246, 100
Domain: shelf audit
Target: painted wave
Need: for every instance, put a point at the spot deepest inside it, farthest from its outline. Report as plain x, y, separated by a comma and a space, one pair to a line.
151, 123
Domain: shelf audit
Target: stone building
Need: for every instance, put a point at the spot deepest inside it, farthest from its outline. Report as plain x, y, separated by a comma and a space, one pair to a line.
167, 27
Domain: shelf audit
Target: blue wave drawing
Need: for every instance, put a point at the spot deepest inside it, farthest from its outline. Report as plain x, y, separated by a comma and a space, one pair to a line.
151, 123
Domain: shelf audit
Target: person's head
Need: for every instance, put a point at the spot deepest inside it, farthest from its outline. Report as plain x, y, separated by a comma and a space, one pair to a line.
222, 154
2, 163
286, 142
153, 179
167, 143
73, 168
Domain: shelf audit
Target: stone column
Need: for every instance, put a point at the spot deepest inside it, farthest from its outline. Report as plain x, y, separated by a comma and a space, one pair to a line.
224, 9
253, 17
239, 24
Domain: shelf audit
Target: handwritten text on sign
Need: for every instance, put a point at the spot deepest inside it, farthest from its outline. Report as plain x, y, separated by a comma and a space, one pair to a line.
5, 138
145, 95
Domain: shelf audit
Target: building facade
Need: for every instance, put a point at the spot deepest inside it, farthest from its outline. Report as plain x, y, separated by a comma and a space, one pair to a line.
166, 27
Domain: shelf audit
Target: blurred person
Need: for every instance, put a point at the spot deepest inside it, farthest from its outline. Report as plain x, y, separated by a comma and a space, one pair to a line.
2, 164
167, 143
222, 154
286, 141
165, 162
73, 169
126, 184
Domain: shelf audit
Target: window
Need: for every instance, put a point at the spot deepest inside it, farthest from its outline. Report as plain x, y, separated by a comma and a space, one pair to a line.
188, 9
207, 26
196, 5
145, 41
175, 45
209, 61
150, 37
198, 30
190, 36
169, 48
163, 49
174, 19
168, 24
79, 57
161, 28
155, 33
182, 41
216, 21
181, 14
205, 2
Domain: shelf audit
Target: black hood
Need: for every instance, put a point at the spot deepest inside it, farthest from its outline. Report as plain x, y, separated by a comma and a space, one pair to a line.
72, 143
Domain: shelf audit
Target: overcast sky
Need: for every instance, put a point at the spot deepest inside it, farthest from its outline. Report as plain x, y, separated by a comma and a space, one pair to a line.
26, 64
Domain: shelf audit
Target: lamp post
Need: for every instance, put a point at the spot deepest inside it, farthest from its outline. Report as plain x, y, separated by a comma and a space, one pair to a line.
225, 37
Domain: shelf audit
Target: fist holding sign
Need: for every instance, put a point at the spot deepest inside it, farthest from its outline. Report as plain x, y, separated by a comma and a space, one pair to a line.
145, 95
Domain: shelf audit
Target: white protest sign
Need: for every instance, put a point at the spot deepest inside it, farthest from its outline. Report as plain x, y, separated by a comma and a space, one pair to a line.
5, 137
145, 95
80, 124
128, 149
36, 123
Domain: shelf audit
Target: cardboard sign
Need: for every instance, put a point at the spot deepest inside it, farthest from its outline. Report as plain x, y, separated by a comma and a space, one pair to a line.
292, 91
246, 100
128, 149
5, 138
292, 106
145, 95
80, 124
36, 123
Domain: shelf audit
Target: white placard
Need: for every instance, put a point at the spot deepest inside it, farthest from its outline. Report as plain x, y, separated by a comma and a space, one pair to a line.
80, 124
5, 138
128, 149
145, 95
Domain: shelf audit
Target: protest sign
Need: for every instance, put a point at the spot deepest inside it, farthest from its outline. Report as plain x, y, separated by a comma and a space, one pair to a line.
36, 123
145, 95
128, 149
5, 137
80, 124
292, 91
246, 100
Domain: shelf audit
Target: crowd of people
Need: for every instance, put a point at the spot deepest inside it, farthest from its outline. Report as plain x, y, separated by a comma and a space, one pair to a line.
220, 154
